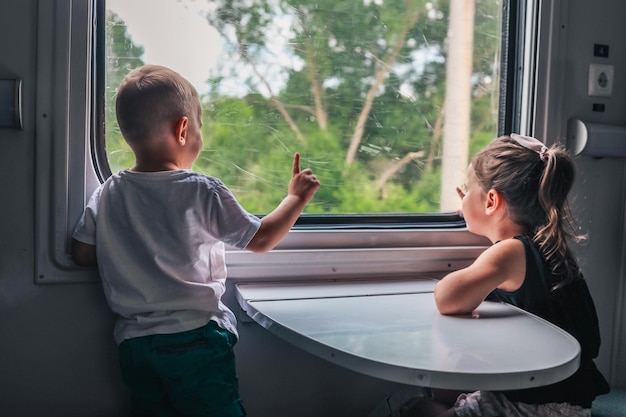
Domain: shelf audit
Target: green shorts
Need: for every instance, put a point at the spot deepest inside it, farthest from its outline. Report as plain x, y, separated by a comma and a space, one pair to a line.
190, 373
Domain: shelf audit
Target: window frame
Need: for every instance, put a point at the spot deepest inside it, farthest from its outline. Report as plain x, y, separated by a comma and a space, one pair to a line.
70, 109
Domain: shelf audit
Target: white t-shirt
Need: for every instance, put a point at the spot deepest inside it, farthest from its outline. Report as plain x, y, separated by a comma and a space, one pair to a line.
159, 240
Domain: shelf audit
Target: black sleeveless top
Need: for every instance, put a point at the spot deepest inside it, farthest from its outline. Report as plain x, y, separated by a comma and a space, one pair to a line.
571, 308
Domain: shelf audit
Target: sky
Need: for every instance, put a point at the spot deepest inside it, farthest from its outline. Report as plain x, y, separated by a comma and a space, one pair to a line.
173, 34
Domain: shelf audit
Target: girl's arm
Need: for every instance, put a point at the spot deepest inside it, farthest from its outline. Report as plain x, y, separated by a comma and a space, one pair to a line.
502, 265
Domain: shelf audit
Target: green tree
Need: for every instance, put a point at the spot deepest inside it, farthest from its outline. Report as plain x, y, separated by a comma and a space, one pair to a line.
357, 88
122, 55
356, 93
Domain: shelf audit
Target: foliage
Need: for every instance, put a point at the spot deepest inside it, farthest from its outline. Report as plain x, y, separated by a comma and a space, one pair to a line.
357, 88
122, 55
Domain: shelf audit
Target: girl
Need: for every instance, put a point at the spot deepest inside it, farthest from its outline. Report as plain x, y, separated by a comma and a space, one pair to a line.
515, 195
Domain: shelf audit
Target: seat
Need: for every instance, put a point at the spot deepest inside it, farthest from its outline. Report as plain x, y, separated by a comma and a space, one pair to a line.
612, 404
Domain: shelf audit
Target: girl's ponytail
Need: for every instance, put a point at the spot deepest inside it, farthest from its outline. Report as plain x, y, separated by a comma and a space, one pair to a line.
552, 234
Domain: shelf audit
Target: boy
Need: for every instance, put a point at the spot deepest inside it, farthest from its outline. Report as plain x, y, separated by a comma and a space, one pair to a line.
157, 233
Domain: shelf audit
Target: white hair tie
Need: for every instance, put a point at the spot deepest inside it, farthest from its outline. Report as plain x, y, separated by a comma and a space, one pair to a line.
531, 143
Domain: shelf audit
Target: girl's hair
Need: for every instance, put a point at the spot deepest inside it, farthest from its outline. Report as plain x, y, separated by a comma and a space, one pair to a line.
150, 96
535, 184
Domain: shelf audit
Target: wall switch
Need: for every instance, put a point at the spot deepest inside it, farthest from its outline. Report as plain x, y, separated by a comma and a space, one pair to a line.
598, 107
600, 80
600, 50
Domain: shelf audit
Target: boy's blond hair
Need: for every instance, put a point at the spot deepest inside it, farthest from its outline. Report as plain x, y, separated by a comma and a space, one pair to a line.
149, 97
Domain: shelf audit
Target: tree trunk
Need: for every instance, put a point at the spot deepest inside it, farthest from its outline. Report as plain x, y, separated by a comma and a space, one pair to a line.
383, 68
393, 170
456, 130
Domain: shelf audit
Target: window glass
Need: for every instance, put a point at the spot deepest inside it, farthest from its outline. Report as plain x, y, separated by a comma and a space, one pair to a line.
386, 100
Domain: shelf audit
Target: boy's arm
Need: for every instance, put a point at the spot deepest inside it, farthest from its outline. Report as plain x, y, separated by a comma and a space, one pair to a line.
277, 224
502, 265
83, 254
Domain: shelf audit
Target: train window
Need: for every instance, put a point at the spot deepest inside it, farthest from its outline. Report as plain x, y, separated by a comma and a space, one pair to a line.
385, 100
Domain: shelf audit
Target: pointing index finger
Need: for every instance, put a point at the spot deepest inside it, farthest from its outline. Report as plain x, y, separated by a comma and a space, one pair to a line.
296, 164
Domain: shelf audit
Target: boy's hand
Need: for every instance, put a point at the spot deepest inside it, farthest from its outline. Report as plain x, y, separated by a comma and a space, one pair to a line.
304, 183
276, 225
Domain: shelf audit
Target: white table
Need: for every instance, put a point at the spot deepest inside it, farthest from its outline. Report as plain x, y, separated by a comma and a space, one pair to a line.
391, 329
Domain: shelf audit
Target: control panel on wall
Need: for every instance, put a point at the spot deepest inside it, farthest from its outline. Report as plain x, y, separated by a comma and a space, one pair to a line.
601, 76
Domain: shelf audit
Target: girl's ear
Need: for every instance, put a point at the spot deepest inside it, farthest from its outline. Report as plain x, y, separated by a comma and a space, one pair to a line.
180, 130
493, 201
